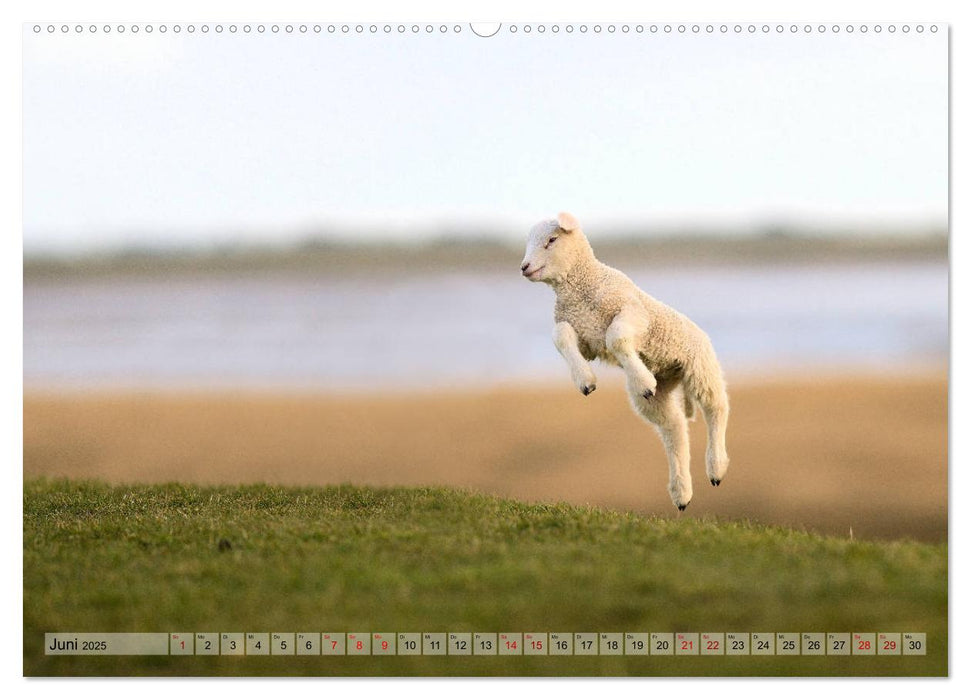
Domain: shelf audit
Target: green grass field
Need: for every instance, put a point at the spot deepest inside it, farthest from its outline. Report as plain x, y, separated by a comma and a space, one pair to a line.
99, 558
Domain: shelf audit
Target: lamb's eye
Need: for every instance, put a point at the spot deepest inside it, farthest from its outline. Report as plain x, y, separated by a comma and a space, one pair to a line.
550, 242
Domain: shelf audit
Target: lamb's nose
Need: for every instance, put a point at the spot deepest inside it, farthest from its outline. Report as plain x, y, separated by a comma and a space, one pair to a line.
524, 266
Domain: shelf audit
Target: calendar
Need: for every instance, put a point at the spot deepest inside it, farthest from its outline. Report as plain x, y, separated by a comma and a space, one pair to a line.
492, 644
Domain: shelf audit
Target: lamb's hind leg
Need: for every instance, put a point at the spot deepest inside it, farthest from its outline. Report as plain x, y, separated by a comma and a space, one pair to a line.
715, 410
704, 382
665, 410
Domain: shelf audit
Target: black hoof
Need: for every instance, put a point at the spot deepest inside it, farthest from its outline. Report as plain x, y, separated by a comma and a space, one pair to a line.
683, 507
587, 390
715, 482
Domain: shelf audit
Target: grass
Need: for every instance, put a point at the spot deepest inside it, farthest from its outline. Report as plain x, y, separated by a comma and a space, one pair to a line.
100, 558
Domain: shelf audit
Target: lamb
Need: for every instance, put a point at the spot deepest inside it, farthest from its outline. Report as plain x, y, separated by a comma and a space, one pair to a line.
669, 362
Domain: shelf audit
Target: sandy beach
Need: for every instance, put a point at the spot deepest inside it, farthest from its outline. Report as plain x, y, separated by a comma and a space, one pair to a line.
825, 454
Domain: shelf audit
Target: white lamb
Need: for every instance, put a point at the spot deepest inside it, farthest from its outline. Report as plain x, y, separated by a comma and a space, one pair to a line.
669, 362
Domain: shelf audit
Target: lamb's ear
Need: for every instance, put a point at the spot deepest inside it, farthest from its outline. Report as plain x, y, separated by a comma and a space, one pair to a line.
567, 221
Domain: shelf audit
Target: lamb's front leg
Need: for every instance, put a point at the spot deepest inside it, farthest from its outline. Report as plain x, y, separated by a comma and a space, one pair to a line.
621, 338
566, 341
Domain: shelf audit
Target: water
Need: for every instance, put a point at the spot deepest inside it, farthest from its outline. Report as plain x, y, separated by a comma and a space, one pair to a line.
457, 328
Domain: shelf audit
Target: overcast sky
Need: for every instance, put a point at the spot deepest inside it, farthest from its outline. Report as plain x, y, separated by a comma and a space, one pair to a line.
207, 138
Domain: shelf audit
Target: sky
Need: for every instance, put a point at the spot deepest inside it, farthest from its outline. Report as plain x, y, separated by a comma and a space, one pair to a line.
179, 139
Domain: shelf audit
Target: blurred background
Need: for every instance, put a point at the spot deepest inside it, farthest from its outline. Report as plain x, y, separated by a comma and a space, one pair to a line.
294, 258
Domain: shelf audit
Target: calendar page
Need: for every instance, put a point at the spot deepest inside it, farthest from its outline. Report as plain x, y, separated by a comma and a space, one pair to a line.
431, 348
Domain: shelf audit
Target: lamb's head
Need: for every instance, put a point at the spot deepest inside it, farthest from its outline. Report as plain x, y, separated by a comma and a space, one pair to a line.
553, 248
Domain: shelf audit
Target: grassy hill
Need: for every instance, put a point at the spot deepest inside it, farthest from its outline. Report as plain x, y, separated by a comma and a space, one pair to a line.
177, 558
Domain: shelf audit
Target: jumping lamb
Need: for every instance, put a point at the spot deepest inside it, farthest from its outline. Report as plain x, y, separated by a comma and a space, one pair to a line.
669, 362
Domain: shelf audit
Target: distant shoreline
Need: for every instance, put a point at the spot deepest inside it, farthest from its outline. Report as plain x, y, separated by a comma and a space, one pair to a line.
488, 254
